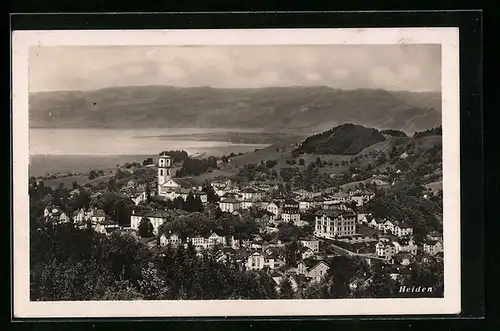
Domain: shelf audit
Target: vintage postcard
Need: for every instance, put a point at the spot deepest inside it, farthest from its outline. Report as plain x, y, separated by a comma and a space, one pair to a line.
188, 173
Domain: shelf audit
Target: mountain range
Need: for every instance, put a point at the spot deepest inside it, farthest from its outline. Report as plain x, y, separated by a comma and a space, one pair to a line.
277, 109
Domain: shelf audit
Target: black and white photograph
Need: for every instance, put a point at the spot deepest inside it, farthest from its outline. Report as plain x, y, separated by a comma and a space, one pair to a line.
236, 173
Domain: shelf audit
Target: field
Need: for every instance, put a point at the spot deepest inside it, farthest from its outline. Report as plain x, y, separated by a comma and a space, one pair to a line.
80, 179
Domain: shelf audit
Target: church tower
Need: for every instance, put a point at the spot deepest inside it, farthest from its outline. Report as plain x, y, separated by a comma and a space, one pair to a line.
164, 169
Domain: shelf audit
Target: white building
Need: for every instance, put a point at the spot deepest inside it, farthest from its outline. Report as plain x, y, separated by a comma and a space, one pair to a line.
291, 211
173, 240
275, 209
171, 188
156, 217
432, 247
311, 243
385, 249
332, 223
315, 270
258, 261
401, 229
229, 205
408, 246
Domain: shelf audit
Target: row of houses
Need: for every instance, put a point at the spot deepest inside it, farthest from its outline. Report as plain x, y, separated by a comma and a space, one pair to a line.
397, 228
387, 249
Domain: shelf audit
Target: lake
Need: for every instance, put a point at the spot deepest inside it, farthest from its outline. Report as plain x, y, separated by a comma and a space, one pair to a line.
61, 150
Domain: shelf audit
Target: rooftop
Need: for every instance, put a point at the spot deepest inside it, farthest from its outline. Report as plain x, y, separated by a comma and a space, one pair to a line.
334, 212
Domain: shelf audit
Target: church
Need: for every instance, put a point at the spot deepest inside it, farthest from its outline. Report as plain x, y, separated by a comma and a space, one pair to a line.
170, 188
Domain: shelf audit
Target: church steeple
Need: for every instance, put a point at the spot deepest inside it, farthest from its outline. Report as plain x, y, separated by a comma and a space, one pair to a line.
164, 169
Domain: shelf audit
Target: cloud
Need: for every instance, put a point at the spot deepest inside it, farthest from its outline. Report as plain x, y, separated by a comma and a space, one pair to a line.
338, 66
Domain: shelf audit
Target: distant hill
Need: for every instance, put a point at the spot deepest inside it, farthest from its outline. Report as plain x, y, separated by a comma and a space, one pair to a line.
438, 131
347, 139
304, 109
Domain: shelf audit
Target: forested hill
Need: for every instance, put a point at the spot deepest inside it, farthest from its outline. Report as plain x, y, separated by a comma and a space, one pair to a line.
308, 109
438, 131
348, 139
394, 133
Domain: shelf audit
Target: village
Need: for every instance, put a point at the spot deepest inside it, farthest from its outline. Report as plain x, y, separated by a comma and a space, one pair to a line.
322, 225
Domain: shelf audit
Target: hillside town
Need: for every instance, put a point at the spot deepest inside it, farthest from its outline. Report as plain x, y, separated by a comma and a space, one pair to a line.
293, 235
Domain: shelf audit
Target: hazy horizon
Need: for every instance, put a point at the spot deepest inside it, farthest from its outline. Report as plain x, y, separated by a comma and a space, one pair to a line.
231, 88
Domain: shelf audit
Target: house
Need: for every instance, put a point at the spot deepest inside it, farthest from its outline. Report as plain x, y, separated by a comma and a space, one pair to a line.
306, 252
55, 214
361, 197
137, 198
200, 195
275, 210
97, 216
291, 211
215, 240
251, 194
388, 226
277, 277
200, 243
313, 269
156, 217
432, 247
340, 197
257, 261
402, 229
385, 249
332, 223
81, 216
221, 183
435, 236
407, 246
306, 204
311, 243
233, 242
173, 240
246, 204
229, 205
231, 195
106, 227
304, 194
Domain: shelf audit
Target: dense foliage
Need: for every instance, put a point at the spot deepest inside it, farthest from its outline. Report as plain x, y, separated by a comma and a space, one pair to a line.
348, 139
177, 155
259, 172
72, 264
394, 133
195, 167
437, 131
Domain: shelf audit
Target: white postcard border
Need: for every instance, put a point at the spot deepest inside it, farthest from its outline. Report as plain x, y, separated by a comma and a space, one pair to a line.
447, 37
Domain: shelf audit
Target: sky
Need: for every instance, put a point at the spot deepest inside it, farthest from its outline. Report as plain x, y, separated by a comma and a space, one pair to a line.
390, 67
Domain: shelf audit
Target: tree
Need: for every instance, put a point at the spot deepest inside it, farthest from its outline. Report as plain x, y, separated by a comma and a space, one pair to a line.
286, 289
271, 163
148, 192
93, 174
212, 196
145, 227
301, 162
147, 161
152, 286
292, 253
